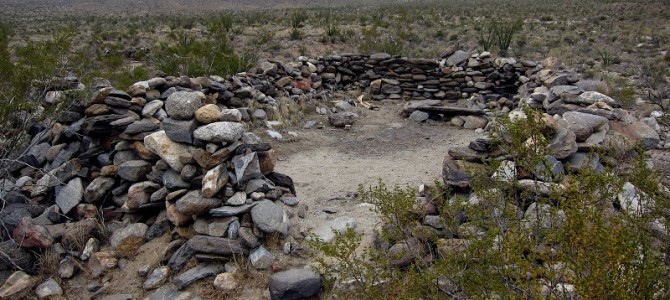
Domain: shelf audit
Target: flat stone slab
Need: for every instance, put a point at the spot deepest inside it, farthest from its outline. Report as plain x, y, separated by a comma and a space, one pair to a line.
449, 110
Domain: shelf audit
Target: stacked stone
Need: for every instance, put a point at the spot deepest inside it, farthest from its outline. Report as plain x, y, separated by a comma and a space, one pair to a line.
458, 75
161, 157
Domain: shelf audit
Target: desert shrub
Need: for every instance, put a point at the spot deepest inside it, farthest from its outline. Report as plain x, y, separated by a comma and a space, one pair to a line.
264, 36
620, 89
298, 18
499, 33
296, 33
579, 241
373, 40
196, 57
222, 23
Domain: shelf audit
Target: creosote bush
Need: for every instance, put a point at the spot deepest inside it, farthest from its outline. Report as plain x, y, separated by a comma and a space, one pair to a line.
577, 238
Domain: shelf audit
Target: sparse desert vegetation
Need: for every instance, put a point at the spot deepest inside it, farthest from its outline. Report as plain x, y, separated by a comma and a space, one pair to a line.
141, 146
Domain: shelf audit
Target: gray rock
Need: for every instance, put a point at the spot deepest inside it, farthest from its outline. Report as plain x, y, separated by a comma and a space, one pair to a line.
134, 170
342, 119
129, 238
229, 211
37, 154
196, 273
457, 58
581, 161
70, 195
454, 175
215, 245
139, 194
92, 246
380, 56
125, 155
247, 167
231, 115
583, 124
259, 185
434, 221
180, 131
157, 277
182, 105
261, 258
173, 180
193, 203
403, 253
15, 255
563, 144
549, 170
219, 132
565, 91
48, 288
591, 97
290, 201
630, 199
151, 108
98, 188
294, 284
141, 126
233, 229
237, 200
180, 257
342, 105
325, 232
419, 116
267, 216
67, 267
170, 151
259, 114
474, 122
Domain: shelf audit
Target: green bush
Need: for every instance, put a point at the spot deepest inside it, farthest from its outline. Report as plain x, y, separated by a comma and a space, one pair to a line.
497, 33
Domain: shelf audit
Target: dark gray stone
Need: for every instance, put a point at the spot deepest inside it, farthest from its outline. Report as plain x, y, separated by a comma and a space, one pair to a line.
267, 216
215, 245
549, 170
247, 167
229, 211
180, 257
98, 188
134, 170
157, 277
342, 119
37, 154
141, 126
193, 203
180, 131
294, 284
196, 273
172, 180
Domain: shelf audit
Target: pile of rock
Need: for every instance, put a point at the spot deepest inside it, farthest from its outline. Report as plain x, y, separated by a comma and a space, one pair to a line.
162, 157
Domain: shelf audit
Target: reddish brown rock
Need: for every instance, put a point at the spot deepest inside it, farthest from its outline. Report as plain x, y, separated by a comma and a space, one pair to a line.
29, 235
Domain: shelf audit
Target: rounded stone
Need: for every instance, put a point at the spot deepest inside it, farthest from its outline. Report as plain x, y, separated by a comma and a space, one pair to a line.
183, 105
